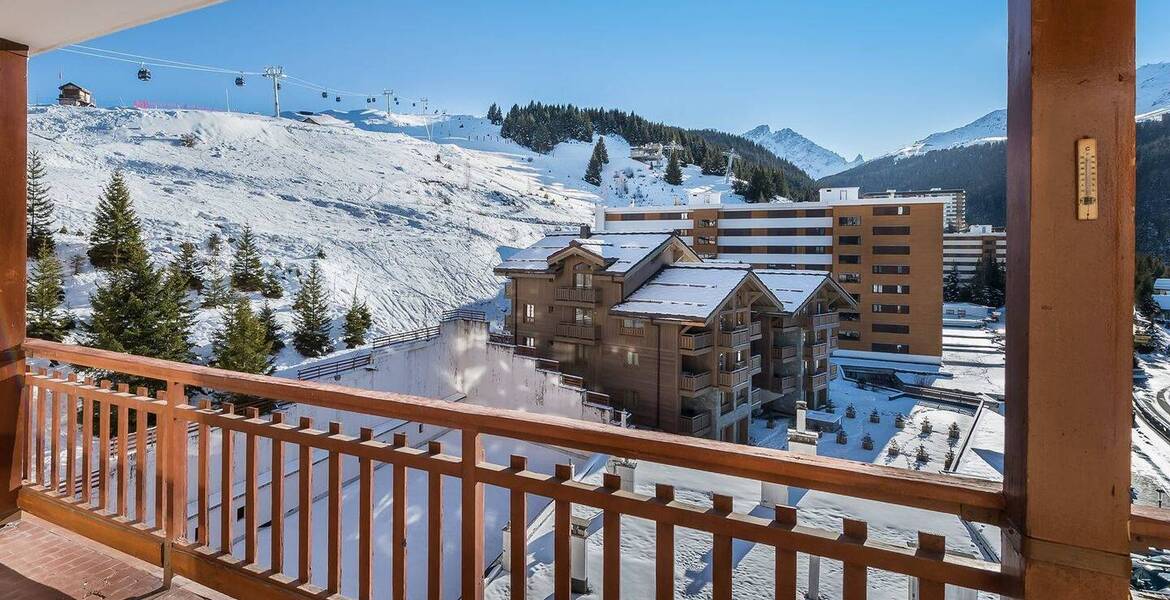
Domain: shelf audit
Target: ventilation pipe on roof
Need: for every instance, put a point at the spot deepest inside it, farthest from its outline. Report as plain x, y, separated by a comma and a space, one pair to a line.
586, 231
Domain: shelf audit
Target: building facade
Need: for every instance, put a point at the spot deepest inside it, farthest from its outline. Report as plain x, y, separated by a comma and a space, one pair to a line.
74, 95
684, 345
954, 204
886, 253
963, 251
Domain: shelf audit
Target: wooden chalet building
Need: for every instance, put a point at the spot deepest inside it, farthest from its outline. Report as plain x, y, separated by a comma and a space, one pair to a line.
685, 345
74, 95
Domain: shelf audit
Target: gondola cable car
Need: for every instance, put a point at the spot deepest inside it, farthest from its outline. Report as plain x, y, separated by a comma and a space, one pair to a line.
143, 73
240, 81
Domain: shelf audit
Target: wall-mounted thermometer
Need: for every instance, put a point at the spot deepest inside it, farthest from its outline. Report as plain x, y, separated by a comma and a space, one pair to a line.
1086, 179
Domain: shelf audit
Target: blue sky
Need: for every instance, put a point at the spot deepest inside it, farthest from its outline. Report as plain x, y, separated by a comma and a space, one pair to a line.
852, 75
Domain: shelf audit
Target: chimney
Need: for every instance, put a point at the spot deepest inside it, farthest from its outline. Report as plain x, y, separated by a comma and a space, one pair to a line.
801, 416
586, 231
624, 468
506, 557
578, 566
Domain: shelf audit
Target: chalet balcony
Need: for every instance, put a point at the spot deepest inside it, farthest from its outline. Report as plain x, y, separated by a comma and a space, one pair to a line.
694, 423
757, 364
735, 338
574, 332
734, 375
757, 330
818, 351
784, 385
695, 342
632, 331
829, 319
819, 381
576, 295
757, 396
695, 382
785, 354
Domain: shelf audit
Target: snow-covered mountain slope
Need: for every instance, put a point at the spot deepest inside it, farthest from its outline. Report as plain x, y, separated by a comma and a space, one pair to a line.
795, 148
411, 211
1153, 100
414, 226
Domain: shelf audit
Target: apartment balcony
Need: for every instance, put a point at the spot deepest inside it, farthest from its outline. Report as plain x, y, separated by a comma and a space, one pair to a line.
508, 289
695, 382
785, 354
735, 338
784, 385
757, 396
828, 319
576, 295
818, 351
757, 330
832, 371
696, 423
735, 375
576, 333
632, 331
696, 342
757, 364
819, 381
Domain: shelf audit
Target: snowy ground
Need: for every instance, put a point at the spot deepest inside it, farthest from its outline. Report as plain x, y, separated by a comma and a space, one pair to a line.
412, 221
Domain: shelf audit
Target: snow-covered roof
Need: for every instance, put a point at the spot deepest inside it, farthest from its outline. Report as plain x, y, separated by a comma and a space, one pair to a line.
621, 251
685, 291
982, 452
1162, 300
1162, 284
794, 287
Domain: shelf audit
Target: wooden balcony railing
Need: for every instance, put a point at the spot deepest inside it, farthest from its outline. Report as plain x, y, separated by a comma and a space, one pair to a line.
142, 507
576, 294
695, 382
694, 423
819, 380
696, 341
757, 330
819, 351
575, 331
632, 331
787, 353
825, 320
735, 338
757, 364
784, 384
757, 396
734, 375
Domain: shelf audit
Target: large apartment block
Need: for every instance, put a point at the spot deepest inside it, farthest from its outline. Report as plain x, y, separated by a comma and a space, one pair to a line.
885, 252
963, 251
685, 345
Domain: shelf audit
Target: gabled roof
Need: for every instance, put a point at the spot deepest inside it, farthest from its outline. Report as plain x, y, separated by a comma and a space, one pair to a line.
620, 252
795, 287
70, 84
688, 291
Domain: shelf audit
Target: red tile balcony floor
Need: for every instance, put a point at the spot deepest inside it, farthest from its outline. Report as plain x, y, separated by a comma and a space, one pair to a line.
40, 561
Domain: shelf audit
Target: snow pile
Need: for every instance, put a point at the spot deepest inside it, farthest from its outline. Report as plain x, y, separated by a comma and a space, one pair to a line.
795, 148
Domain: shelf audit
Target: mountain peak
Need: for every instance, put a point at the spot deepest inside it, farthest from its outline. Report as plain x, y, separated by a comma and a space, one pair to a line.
795, 148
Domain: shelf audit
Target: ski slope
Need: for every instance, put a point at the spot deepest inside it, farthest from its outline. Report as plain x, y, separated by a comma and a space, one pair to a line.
412, 212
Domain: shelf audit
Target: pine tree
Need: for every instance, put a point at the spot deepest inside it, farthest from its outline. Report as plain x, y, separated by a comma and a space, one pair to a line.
39, 207
601, 151
241, 343
357, 322
272, 287
136, 311
189, 266
759, 188
713, 163
311, 315
218, 291
952, 287
117, 233
494, 115
272, 328
247, 271
593, 171
45, 319
214, 244
673, 174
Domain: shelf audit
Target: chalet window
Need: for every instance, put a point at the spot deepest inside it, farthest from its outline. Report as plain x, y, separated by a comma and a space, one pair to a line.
849, 221
583, 316
849, 277
891, 269
706, 222
529, 313
528, 341
631, 358
848, 240
886, 211
848, 259
848, 316
847, 336
893, 309
583, 280
890, 328
893, 348
632, 323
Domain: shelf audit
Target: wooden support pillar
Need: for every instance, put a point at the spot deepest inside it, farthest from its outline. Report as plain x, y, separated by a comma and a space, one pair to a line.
1069, 299
13, 157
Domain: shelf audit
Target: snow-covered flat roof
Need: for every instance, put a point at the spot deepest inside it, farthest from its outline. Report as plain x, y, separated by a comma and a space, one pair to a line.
793, 287
1162, 283
621, 250
689, 291
982, 453
778, 205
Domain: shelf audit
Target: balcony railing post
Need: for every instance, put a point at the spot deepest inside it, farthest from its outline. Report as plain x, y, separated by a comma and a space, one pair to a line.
472, 508
1069, 372
14, 142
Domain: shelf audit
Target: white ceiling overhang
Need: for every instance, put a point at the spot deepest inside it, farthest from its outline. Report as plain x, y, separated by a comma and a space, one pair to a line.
45, 25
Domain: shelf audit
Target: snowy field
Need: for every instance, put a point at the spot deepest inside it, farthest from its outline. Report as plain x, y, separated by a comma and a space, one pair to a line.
413, 225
